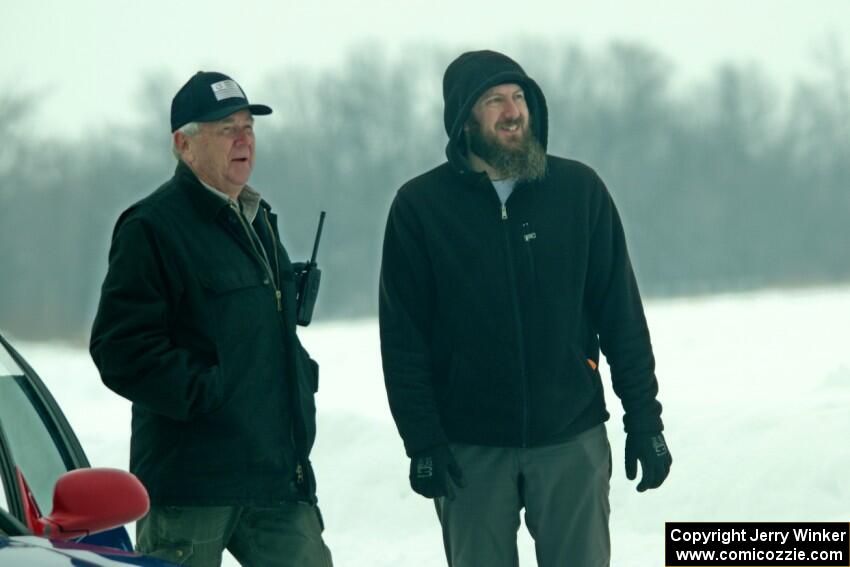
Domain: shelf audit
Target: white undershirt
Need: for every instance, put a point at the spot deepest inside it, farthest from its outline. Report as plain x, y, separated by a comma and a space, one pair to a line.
504, 188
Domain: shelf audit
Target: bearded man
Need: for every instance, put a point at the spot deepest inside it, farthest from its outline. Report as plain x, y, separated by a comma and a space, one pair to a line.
504, 272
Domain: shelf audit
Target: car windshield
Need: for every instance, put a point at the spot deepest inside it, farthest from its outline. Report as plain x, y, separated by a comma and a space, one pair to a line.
8, 367
30, 441
9, 526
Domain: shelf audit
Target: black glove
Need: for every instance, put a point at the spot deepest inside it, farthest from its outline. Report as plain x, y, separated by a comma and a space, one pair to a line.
434, 471
655, 460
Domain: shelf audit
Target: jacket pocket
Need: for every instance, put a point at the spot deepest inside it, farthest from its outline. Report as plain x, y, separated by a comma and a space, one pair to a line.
575, 385
456, 381
478, 391
314, 366
236, 300
226, 281
588, 367
311, 368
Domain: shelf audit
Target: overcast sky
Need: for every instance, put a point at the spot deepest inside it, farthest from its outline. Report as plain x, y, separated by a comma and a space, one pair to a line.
87, 56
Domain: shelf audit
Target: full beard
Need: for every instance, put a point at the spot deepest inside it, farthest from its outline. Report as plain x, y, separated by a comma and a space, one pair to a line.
524, 162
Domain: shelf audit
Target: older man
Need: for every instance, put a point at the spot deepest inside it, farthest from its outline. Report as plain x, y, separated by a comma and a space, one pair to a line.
504, 270
196, 326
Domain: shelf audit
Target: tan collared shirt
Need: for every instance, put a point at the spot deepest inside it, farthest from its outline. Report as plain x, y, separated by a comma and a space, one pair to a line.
248, 206
249, 200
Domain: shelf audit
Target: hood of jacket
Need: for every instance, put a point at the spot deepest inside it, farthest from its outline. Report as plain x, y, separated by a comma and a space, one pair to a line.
466, 79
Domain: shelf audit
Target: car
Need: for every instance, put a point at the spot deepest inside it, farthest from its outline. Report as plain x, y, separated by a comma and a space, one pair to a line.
43, 467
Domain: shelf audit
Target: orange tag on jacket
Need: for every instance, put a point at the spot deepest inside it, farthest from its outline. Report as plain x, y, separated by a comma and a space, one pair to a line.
591, 363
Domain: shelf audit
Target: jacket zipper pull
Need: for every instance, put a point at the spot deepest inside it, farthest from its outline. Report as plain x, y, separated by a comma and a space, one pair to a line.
504, 212
277, 296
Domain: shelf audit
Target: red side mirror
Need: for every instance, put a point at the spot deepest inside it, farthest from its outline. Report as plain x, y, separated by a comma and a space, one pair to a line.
87, 501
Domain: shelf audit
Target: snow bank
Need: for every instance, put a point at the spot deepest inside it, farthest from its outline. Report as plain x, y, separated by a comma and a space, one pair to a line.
755, 387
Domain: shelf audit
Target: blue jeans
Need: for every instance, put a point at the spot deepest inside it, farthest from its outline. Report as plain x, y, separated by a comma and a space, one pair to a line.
289, 534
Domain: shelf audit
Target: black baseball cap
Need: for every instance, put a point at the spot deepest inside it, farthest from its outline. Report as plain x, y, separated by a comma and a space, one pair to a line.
209, 96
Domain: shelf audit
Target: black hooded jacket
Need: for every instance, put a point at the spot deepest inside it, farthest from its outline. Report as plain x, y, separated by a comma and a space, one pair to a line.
491, 316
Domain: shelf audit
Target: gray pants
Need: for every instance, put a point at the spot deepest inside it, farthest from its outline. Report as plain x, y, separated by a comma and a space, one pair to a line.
563, 488
287, 535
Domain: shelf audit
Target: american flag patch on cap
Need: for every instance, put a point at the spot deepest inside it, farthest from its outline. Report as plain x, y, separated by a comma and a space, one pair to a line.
227, 89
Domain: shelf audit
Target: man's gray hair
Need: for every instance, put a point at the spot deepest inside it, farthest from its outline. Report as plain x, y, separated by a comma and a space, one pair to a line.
190, 129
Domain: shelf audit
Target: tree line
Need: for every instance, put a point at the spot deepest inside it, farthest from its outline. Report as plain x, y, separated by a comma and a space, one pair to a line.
728, 183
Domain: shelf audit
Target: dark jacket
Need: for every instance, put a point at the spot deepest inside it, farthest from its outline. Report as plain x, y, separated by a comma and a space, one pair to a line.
188, 328
491, 317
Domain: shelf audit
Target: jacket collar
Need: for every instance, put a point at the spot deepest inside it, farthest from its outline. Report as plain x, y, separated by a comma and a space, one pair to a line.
207, 204
479, 181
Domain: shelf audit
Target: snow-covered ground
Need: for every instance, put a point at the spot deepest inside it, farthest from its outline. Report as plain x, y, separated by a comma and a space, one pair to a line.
756, 394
